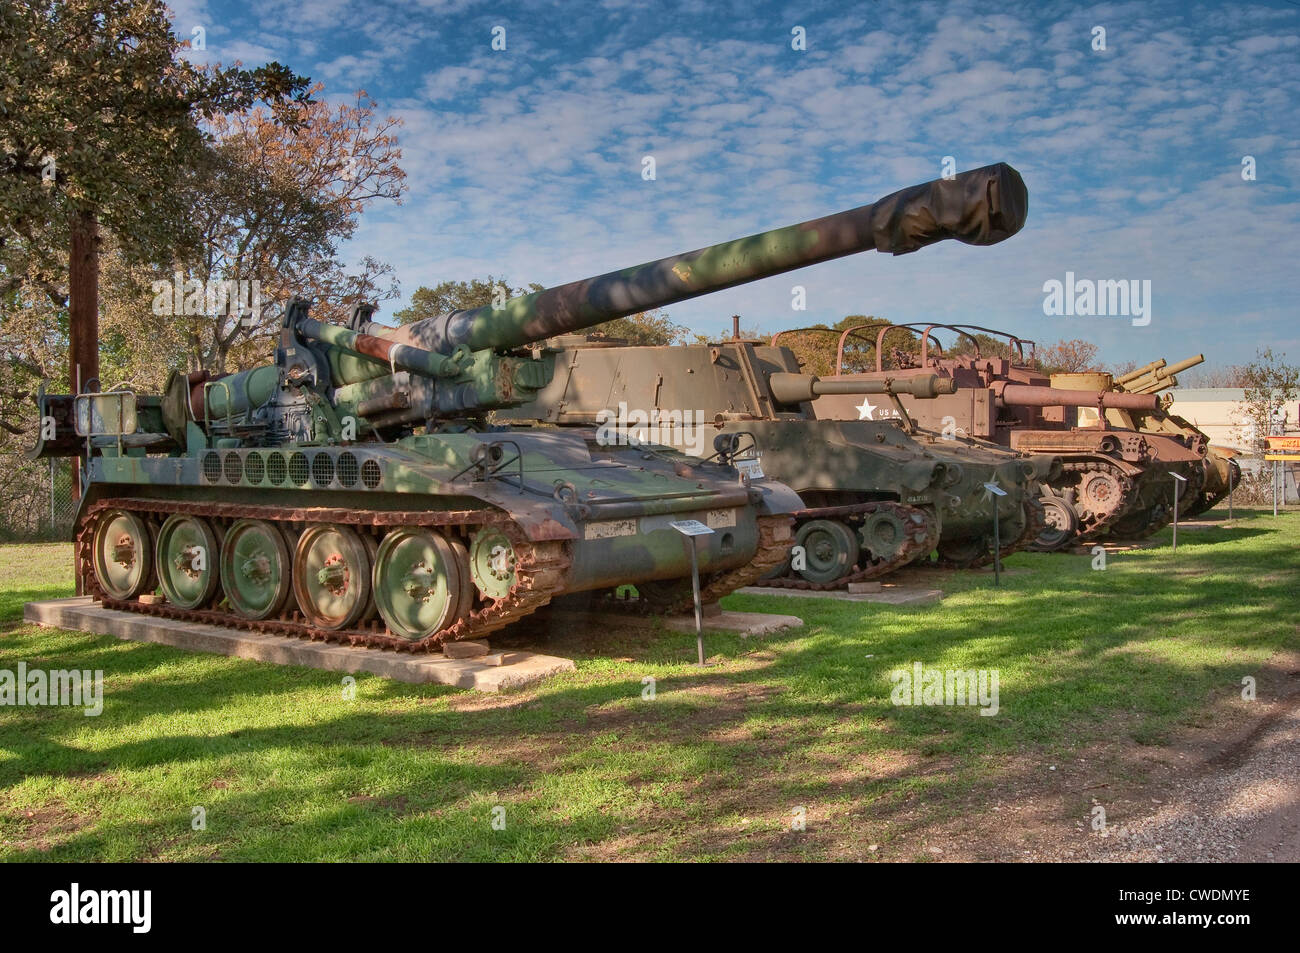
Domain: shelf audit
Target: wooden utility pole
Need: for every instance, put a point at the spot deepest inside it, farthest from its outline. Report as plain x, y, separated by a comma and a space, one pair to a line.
83, 309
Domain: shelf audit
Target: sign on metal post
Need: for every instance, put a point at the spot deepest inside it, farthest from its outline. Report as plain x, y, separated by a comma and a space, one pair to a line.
1178, 485
1281, 449
994, 491
689, 530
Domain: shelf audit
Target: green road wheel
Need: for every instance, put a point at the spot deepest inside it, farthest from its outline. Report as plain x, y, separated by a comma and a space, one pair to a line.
830, 550
883, 534
256, 573
492, 563
187, 554
465, 603
122, 554
418, 582
331, 576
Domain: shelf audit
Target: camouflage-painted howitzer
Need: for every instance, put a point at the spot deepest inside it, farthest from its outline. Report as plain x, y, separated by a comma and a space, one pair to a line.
358, 475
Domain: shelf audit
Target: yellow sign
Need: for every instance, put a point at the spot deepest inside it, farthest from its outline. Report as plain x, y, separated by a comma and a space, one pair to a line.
1284, 443
1292, 457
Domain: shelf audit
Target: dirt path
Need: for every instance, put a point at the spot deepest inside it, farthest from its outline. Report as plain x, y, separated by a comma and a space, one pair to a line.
1242, 805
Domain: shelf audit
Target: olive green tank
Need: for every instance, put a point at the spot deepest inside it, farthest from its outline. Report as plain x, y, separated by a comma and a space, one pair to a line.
878, 492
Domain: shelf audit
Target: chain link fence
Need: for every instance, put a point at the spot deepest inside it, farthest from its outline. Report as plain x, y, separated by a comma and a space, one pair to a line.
36, 501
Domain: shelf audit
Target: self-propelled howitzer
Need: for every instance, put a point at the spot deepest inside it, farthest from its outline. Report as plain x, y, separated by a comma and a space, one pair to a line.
878, 491
355, 489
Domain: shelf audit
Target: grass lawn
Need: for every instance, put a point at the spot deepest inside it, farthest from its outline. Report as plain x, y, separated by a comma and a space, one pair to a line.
1090, 663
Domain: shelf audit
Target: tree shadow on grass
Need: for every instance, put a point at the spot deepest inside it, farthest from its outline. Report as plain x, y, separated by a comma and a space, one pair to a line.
591, 768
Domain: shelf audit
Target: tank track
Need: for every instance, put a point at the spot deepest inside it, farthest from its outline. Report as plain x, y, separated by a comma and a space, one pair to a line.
1162, 514
1099, 527
539, 570
1035, 523
1209, 501
911, 550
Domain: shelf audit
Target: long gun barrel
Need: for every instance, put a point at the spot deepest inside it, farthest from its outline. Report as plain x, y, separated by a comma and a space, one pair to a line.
1028, 395
979, 207
797, 388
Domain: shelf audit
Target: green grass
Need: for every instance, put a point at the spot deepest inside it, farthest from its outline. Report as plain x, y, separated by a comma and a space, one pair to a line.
286, 768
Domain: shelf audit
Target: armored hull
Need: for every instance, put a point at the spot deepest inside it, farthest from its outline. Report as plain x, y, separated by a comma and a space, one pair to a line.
1114, 480
357, 488
877, 494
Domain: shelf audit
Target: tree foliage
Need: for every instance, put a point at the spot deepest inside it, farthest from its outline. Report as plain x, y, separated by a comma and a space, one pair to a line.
277, 195
100, 113
454, 295
1069, 357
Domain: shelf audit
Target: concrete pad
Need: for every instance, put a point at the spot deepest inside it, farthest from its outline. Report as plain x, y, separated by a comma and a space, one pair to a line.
745, 624
888, 595
513, 670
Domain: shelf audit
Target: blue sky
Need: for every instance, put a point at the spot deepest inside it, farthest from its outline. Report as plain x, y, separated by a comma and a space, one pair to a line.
527, 162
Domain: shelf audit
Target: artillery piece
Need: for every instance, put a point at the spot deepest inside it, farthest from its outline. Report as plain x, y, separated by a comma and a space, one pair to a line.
1115, 478
359, 475
878, 493
1222, 472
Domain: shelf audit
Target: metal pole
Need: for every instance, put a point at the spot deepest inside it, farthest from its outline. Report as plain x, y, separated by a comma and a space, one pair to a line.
695, 590
1177, 487
1232, 485
997, 546
1275, 488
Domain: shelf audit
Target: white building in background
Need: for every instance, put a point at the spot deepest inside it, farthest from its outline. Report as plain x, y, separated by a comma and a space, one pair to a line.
1216, 410
1219, 412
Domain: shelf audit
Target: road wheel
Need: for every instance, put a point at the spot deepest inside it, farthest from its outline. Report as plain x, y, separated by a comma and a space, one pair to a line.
331, 576
830, 550
187, 555
1062, 525
256, 572
122, 554
418, 582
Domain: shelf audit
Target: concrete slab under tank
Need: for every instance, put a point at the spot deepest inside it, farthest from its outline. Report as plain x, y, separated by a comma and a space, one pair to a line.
490, 672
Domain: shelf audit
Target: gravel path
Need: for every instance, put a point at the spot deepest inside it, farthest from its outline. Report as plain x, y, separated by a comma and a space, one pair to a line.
1241, 806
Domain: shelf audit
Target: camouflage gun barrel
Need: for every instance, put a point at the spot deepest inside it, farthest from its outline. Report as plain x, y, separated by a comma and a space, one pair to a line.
797, 388
1029, 395
979, 207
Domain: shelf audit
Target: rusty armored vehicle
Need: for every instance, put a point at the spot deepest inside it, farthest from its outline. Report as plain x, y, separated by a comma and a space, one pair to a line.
1222, 472
878, 493
356, 488
1115, 480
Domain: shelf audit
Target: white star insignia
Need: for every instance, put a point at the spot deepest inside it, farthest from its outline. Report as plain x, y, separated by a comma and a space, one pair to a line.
866, 409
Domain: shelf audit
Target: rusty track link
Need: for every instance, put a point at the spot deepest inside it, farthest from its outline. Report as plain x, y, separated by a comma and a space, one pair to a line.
913, 549
539, 570
1163, 514
1209, 501
1127, 487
